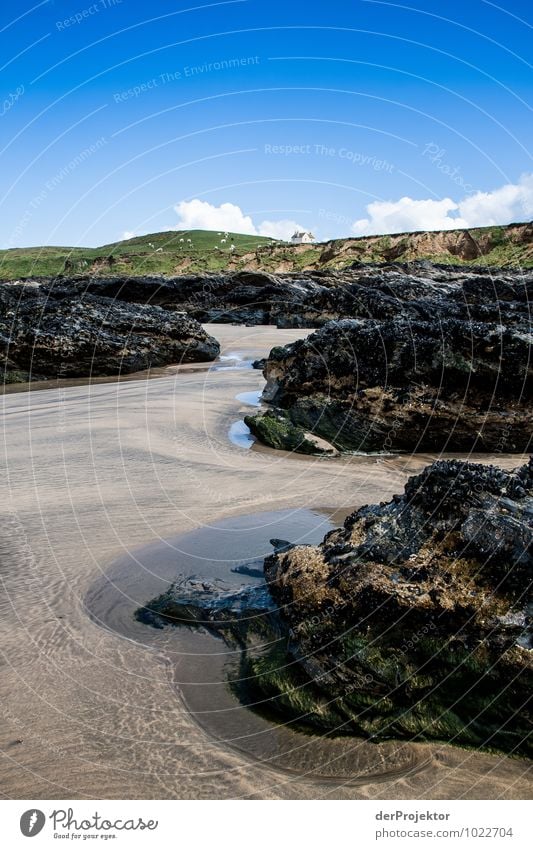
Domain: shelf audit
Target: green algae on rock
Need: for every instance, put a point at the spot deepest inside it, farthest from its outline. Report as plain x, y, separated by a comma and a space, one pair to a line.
276, 429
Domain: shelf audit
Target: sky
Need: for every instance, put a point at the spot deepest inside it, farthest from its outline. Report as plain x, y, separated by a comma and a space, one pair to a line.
120, 117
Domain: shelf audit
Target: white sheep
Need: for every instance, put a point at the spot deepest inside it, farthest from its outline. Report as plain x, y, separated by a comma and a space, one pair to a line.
222, 241
189, 241
182, 240
232, 247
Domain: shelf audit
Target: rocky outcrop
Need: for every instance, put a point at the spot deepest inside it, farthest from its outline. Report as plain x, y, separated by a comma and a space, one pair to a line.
414, 617
416, 291
413, 620
454, 375
80, 334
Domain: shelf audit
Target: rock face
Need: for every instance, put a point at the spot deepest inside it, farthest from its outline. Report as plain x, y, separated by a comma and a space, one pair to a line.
454, 374
411, 621
417, 290
74, 335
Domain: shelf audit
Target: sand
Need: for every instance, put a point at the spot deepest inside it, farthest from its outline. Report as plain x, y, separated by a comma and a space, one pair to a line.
96, 472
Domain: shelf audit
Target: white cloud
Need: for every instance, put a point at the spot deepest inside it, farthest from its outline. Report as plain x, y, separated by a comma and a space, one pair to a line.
512, 202
201, 215
407, 214
282, 229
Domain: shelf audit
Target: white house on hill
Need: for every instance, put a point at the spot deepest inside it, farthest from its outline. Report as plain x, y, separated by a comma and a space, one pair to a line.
302, 238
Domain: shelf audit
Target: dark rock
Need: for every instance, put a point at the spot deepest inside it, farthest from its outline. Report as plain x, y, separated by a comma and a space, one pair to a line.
83, 334
251, 571
280, 544
416, 290
400, 385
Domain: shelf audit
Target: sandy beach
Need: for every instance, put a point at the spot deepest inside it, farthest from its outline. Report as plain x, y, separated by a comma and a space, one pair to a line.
107, 488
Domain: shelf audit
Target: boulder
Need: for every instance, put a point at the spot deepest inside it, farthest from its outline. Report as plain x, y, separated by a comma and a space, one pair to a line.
411, 621
406, 385
81, 335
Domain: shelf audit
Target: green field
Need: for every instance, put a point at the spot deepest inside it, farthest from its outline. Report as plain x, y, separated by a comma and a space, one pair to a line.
170, 253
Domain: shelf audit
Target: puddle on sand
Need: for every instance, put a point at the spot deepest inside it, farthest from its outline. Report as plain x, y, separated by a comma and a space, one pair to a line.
240, 435
253, 399
202, 665
233, 361
239, 432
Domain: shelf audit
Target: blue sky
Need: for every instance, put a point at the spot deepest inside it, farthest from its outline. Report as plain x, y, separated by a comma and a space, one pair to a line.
344, 118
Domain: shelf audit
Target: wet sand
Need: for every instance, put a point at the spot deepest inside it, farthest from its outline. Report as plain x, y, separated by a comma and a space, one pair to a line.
98, 706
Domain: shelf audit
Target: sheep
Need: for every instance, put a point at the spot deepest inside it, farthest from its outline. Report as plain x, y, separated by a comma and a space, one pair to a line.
232, 247
159, 250
182, 240
222, 241
189, 241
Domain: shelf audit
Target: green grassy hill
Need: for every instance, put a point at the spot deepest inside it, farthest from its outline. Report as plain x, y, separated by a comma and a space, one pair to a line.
171, 253
158, 253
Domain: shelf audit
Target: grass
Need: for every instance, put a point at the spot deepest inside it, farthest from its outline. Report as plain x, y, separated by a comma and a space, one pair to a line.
170, 253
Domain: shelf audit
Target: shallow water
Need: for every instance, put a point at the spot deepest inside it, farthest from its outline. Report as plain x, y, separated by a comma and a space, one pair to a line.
233, 361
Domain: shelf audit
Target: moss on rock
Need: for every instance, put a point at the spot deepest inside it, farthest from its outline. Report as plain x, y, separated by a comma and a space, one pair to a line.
276, 430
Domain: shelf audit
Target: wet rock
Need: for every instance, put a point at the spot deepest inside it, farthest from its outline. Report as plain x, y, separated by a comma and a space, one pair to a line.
79, 335
402, 385
234, 613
